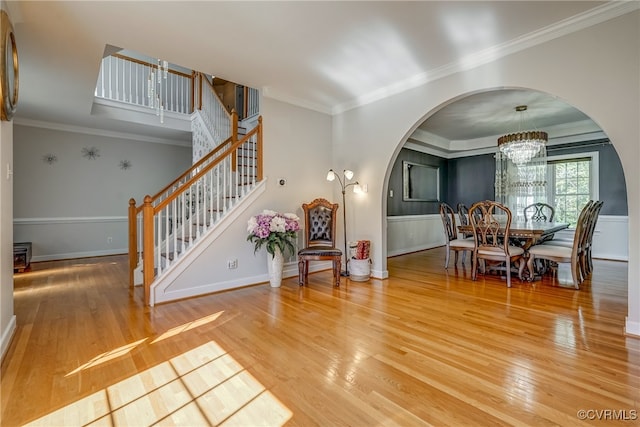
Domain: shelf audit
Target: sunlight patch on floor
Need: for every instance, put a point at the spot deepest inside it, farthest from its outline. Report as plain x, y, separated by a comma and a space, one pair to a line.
107, 356
204, 386
188, 326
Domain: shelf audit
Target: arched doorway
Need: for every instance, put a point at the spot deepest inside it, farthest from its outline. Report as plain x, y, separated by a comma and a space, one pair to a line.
458, 139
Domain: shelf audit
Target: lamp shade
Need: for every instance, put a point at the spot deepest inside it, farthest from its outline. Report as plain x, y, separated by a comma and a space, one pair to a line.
331, 175
348, 174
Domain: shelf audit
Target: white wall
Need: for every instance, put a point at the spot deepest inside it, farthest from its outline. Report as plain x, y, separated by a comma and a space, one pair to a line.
77, 207
596, 70
7, 317
297, 147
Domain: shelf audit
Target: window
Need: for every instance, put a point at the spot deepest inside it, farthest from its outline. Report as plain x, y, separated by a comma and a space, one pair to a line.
572, 182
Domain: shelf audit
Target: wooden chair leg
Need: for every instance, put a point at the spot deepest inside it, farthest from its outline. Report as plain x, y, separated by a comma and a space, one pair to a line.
575, 274
306, 271
337, 266
300, 271
446, 261
508, 268
474, 268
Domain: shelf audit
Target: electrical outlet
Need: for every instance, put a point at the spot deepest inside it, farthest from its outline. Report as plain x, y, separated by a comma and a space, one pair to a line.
109, 239
232, 264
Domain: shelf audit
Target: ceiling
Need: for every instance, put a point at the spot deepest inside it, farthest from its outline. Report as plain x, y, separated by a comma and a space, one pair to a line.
327, 56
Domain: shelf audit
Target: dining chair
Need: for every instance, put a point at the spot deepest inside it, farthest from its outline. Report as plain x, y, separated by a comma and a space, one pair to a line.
567, 242
452, 242
491, 223
319, 238
539, 212
560, 252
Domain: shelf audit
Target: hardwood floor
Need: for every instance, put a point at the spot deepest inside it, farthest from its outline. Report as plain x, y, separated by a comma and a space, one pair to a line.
425, 347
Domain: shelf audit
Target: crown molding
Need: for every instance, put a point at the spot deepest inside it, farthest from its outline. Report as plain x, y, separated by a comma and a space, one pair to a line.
597, 15
269, 92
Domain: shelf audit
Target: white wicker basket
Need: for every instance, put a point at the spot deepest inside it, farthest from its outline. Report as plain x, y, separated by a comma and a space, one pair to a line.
359, 269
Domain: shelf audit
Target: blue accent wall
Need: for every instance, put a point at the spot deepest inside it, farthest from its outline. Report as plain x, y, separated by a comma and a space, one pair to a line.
470, 179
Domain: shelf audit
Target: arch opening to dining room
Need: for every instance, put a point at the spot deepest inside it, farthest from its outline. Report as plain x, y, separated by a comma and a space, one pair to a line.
458, 140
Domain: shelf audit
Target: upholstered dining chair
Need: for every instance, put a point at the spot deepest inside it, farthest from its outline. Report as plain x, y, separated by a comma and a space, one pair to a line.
453, 243
585, 267
491, 223
539, 212
560, 252
319, 238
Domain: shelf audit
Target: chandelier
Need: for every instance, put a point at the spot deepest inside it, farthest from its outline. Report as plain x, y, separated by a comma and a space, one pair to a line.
157, 74
522, 146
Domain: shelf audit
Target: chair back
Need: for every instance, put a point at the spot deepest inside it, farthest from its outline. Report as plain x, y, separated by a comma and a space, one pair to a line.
593, 219
320, 223
463, 214
487, 219
580, 238
448, 221
539, 212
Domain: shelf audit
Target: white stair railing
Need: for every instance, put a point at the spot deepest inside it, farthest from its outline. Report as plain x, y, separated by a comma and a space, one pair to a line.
214, 114
164, 229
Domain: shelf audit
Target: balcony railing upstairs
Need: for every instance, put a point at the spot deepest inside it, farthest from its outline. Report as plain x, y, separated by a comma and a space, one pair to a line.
145, 84
150, 86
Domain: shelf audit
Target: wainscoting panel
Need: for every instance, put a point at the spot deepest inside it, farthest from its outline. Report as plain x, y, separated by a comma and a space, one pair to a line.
77, 237
610, 239
411, 233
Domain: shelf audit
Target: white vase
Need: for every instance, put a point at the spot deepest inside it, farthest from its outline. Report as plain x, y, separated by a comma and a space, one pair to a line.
275, 265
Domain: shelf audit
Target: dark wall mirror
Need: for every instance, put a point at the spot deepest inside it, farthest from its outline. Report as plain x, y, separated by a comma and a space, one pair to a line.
420, 183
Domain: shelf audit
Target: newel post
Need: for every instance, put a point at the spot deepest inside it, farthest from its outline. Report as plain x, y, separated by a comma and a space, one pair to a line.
148, 271
259, 150
133, 240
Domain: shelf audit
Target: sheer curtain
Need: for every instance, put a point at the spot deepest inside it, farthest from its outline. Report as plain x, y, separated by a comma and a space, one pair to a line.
519, 186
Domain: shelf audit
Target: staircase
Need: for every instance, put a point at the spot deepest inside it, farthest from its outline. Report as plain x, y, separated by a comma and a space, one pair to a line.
169, 226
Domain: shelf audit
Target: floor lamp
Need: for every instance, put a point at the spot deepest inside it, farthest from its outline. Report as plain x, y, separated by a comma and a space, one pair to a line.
346, 176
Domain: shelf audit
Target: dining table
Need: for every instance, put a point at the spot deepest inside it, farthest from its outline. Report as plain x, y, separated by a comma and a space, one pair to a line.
525, 234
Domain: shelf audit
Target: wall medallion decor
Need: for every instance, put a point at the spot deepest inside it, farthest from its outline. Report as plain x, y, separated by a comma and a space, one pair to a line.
50, 158
90, 153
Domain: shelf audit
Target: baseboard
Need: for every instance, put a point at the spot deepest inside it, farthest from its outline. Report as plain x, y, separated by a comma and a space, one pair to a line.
7, 336
632, 328
72, 255
290, 270
418, 248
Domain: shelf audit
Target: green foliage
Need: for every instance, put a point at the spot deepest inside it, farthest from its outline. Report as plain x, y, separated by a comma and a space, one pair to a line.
281, 240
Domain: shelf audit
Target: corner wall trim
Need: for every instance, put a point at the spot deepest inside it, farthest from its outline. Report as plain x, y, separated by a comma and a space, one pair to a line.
7, 335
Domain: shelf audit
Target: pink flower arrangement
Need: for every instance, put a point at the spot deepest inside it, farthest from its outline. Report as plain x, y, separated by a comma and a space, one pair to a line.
273, 229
